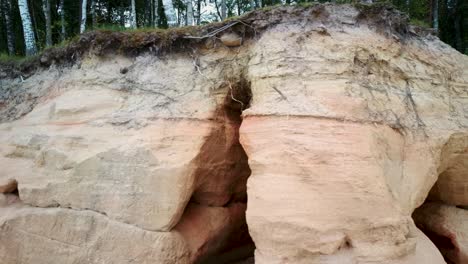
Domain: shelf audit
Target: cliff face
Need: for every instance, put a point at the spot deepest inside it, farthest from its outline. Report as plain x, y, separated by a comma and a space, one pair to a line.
316, 138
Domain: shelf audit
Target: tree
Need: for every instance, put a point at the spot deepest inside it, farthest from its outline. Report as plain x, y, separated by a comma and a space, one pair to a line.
6, 8
199, 12
156, 8
189, 21
223, 9
93, 13
28, 32
435, 15
162, 19
133, 23
83, 16
169, 11
63, 32
457, 20
48, 23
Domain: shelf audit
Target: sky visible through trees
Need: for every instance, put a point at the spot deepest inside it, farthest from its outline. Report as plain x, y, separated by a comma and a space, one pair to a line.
27, 26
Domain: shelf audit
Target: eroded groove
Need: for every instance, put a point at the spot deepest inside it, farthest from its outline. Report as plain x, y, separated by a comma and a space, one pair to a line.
214, 221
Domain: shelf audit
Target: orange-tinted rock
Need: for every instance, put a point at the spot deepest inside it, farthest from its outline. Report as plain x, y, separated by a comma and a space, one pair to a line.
8, 186
208, 230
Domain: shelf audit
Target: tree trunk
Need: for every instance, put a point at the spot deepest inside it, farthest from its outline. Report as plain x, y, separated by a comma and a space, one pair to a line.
169, 11
435, 15
408, 4
189, 13
63, 33
198, 12
29, 39
6, 8
109, 13
133, 23
93, 13
155, 18
179, 12
34, 21
122, 16
217, 9
162, 18
48, 22
457, 27
148, 13
252, 5
223, 9
83, 16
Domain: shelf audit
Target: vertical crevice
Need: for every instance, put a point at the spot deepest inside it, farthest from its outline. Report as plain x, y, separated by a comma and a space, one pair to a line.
214, 221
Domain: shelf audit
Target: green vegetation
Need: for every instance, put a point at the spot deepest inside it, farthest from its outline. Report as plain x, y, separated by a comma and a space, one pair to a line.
420, 23
449, 17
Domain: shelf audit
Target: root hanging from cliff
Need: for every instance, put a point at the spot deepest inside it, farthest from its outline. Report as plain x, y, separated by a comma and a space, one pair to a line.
214, 221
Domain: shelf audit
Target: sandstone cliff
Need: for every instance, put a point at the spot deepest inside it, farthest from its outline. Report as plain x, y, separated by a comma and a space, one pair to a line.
316, 137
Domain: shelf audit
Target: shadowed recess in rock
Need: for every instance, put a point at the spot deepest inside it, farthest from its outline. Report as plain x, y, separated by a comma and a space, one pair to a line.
9, 193
214, 222
443, 216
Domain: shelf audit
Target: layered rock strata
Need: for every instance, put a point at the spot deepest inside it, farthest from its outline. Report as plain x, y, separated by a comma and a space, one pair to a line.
322, 133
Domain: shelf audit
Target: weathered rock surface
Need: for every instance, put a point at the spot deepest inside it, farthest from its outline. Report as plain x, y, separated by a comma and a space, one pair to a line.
447, 226
344, 140
54, 235
452, 184
126, 147
345, 121
231, 39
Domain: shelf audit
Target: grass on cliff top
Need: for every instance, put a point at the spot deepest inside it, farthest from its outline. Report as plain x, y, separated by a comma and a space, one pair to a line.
15, 59
117, 40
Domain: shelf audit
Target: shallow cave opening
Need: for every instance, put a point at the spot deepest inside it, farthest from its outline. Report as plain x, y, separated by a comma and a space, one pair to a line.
220, 196
449, 195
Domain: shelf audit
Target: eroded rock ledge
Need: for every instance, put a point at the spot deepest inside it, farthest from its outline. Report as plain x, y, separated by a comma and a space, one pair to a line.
316, 138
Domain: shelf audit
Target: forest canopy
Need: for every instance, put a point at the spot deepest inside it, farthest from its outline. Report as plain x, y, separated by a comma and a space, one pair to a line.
27, 26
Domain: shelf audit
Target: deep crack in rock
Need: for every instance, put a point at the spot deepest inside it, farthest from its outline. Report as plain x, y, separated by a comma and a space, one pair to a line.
221, 190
